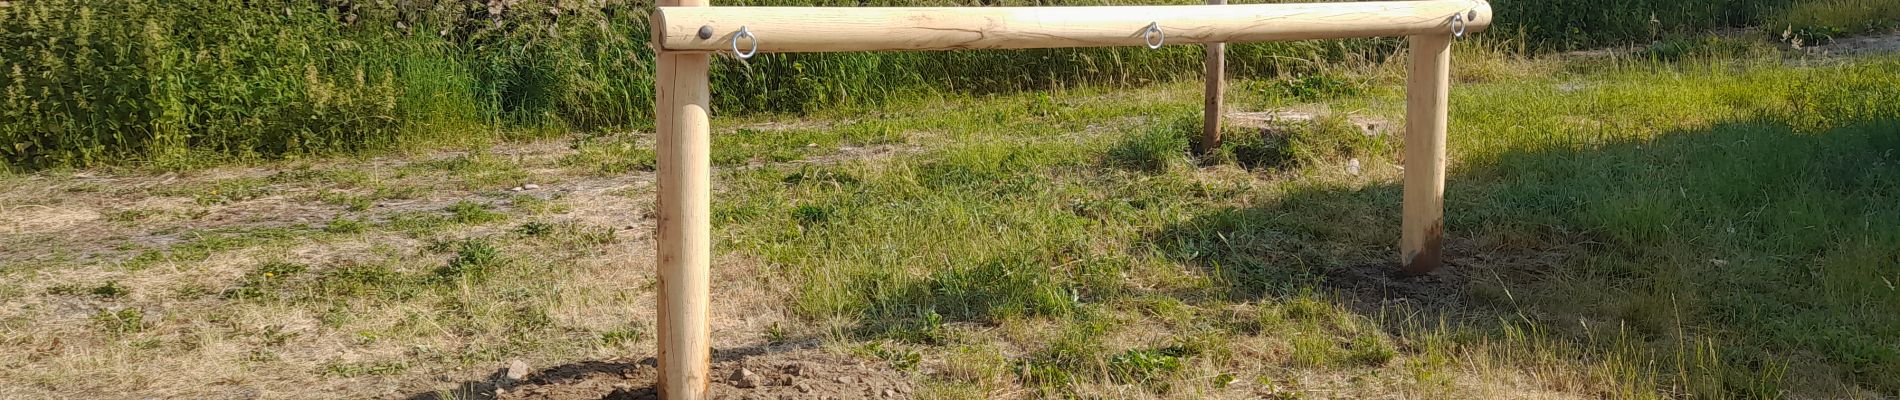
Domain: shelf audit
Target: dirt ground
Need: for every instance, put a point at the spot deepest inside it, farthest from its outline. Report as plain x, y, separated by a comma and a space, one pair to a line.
785, 373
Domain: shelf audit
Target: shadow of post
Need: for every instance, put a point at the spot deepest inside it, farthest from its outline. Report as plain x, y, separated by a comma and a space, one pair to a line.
1771, 247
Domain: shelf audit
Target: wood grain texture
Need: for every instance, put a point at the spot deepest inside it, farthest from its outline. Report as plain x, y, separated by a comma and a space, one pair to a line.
1427, 99
684, 252
830, 29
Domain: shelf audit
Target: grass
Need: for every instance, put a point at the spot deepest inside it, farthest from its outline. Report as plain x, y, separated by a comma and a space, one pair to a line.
1023, 227
1821, 21
1707, 224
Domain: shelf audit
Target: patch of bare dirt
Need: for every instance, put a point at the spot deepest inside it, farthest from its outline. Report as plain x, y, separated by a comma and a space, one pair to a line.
1888, 43
1383, 284
1276, 121
807, 373
1467, 269
852, 153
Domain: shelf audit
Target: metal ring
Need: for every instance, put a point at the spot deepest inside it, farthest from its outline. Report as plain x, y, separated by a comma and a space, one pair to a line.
1458, 25
1153, 35
743, 33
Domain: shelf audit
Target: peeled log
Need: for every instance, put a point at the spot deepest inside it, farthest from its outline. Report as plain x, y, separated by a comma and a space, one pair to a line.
832, 29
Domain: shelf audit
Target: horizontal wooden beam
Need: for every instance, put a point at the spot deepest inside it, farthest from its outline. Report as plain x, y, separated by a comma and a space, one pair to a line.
829, 29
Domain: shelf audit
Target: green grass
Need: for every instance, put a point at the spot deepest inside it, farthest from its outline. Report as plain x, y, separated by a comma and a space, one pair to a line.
1821, 21
1573, 24
1712, 225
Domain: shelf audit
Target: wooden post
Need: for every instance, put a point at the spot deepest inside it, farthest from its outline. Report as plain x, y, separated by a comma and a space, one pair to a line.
1216, 75
1427, 94
684, 254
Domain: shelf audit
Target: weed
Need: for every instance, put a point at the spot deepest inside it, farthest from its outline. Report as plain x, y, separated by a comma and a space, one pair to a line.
473, 258
120, 322
901, 359
623, 336
1145, 365
266, 281
534, 228
469, 212
342, 225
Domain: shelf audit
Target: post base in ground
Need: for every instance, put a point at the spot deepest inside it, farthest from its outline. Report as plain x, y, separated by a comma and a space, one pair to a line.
1427, 95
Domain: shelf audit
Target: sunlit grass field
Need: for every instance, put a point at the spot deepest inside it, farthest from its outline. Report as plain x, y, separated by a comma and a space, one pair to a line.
1618, 227
1706, 229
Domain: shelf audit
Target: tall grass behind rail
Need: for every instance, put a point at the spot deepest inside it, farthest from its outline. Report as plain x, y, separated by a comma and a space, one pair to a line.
1821, 21
1573, 24
188, 82
92, 81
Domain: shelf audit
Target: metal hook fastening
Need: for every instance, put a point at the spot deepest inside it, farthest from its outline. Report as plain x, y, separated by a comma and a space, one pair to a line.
1458, 24
743, 33
1153, 35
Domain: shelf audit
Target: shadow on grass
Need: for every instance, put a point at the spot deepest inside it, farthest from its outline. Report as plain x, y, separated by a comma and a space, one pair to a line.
1763, 254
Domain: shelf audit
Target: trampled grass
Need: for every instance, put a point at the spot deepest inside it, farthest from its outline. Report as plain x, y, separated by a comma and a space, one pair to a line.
1621, 228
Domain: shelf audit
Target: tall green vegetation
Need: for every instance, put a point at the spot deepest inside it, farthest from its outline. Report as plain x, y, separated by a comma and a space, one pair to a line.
184, 82
1820, 21
1570, 24
87, 82
90, 81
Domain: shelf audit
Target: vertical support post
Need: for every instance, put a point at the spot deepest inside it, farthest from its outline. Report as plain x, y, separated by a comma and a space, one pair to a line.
684, 254
1428, 91
1216, 75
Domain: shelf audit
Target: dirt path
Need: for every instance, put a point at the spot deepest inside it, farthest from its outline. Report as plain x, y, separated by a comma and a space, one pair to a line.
1873, 45
158, 258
